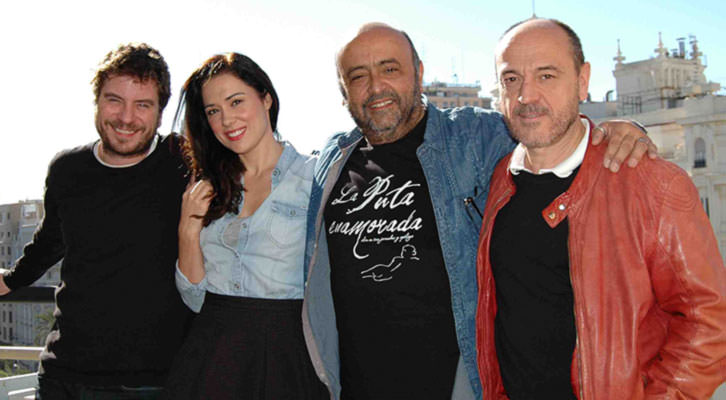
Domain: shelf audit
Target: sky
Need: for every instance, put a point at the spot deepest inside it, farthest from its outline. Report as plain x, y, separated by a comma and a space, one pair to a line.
49, 50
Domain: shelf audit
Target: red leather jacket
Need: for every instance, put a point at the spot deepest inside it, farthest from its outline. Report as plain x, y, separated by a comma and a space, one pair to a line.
648, 281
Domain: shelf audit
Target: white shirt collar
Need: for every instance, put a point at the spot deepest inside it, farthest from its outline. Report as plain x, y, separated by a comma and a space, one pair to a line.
98, 157
563, 169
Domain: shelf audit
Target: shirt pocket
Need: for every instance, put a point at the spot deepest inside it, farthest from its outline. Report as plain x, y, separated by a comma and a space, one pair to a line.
286, 224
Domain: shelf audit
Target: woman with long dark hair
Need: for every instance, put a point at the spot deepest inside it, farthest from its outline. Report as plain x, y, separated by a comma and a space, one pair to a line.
241, 241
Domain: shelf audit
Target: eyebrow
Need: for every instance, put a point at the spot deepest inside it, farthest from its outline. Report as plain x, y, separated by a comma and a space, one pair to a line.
538, 69
388, 61
548, 68
353, 69
116, 96
227, 98
382, 62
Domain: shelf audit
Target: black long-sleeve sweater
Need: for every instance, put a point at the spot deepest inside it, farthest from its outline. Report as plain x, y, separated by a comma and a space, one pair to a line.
119, 317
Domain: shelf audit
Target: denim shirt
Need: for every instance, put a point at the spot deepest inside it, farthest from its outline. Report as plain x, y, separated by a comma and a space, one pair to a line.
266, 261
460, 150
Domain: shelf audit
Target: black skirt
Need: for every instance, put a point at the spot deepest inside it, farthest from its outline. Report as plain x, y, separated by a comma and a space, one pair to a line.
245, 348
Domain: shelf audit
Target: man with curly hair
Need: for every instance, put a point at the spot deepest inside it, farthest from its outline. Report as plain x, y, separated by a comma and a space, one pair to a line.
111, 214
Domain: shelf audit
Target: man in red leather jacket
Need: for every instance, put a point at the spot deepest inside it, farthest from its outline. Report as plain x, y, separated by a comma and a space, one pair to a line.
592, 285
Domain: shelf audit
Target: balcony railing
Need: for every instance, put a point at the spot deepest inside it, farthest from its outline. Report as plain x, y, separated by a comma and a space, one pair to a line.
22, 387
19, 387
30, 294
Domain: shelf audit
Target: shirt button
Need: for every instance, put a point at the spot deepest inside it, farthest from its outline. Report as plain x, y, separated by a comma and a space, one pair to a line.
561, 207
275, 172
552, 215
244, 224
236, 285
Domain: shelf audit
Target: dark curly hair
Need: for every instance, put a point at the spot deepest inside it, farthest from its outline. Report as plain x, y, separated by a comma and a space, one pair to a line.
138, 60
206, 157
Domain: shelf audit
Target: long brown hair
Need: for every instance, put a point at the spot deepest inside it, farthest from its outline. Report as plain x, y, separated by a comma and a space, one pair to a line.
205, 156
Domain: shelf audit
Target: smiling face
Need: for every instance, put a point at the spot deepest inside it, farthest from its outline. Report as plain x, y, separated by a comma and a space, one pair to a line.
127, 116
237, 114
540, 85
382, 86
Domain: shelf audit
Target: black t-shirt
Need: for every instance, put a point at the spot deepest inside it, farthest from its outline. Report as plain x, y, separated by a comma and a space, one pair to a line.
390, 287
535, 323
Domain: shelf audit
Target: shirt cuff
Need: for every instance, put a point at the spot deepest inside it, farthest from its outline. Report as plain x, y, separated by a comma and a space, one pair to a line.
191, 293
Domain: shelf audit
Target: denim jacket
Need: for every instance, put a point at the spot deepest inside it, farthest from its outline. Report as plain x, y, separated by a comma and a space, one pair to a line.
266, 261
460, 150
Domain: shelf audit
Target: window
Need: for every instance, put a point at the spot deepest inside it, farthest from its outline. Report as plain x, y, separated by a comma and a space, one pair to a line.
11, 334
10, 319
704, 201
699, 159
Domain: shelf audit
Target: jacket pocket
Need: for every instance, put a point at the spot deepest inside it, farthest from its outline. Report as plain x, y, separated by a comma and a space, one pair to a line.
474, 206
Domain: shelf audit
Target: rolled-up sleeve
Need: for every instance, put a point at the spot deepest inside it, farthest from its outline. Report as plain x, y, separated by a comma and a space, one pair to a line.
192, 294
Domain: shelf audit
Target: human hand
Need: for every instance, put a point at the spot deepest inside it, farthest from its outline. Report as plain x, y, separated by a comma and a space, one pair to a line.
4, 289
625, 141
195, 203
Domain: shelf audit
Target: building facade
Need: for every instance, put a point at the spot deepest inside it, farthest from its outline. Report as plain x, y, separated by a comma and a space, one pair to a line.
684, 115
450, 95
23, 324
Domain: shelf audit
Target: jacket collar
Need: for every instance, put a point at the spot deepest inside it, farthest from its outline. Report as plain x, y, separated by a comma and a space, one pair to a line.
433, 136
350, 138
590, 170
563, 169
588, 174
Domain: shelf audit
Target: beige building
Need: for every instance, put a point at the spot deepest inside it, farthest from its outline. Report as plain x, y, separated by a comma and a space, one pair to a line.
450, 95
685, 117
